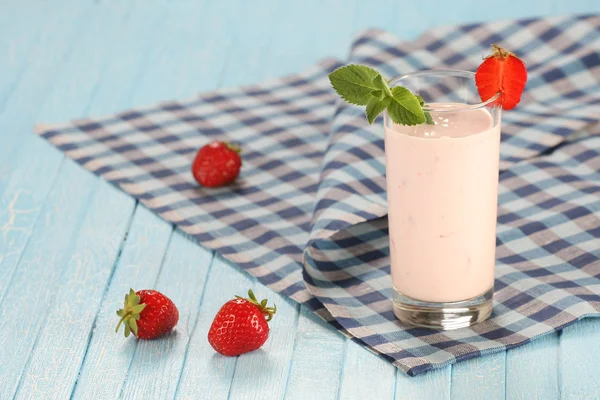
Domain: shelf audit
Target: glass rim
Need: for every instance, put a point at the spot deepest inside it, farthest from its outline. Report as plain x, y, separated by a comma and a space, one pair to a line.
445, 72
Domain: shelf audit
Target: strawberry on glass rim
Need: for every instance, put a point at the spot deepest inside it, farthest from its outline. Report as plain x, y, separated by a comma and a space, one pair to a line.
501, 72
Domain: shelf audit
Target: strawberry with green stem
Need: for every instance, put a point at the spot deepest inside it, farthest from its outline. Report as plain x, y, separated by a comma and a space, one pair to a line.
148, 314
241, 325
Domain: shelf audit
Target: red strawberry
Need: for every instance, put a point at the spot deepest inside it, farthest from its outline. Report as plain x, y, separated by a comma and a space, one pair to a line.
504, 73
217, 164
241, 326
148, 313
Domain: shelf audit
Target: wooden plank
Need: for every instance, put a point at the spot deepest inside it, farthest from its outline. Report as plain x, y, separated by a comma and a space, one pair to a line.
21, 204
188, 56
263, 374
413, 18
32, 175
366, 375
384, 14
155, 369
558, 7
477, 376
35, 183
39, 273
74, 88
250, 53
73, 92
61, 345
303, 36
434, 385
316, 367
56, 39
532, 370
207, 374
120, 81
109, 355
16, 42
579, 356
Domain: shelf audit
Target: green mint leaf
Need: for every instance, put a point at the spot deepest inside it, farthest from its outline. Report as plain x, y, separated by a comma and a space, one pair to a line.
375, 107
377, 93
404, 108
428, 118
382, 85
364, 86
354, 83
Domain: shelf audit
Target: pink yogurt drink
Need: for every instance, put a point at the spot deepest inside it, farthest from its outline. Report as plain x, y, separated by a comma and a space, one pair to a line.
442, 189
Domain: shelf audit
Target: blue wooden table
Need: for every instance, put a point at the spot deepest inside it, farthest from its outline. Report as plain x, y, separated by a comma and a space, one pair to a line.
71, 245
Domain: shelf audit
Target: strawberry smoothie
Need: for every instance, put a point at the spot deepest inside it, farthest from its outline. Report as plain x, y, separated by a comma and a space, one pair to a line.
442, 187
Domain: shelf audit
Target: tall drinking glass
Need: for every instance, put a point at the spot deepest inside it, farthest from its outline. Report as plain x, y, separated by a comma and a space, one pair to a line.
442, 188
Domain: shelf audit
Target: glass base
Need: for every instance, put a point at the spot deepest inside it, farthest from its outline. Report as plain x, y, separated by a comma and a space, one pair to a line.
444, 316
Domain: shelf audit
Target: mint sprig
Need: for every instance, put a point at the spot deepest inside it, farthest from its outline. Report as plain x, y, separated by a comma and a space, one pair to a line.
364, 86
354, 83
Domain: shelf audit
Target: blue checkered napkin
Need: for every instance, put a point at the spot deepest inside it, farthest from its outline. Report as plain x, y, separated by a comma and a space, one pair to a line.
263, 221
547, 274
548, 253
291, 161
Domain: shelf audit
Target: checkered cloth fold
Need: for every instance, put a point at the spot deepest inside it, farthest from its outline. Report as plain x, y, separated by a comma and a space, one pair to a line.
307, 216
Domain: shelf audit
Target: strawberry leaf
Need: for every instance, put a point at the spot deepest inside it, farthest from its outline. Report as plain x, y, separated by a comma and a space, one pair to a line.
127, 330
138, 308
130, 313
133, 325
